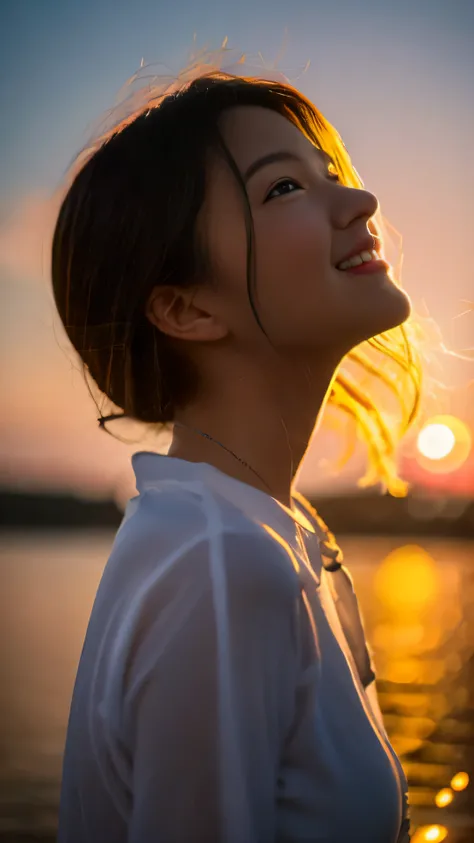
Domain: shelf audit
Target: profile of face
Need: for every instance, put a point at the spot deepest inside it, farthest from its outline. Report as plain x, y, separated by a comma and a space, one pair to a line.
305, 224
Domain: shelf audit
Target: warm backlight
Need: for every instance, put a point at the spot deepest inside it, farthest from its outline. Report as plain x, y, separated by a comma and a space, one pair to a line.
436, 441
433, 833
444, 797
460, 781
443, 444
407, 580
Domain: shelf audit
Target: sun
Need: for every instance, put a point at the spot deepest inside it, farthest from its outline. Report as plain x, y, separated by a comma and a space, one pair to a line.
436, 441
443, 444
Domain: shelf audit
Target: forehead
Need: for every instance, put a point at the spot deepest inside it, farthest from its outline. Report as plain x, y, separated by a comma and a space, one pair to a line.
251, 132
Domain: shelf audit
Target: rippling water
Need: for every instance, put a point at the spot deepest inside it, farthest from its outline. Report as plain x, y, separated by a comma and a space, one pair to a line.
417, 601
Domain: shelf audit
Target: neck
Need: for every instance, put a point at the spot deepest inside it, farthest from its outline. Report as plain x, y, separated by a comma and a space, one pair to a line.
267, 421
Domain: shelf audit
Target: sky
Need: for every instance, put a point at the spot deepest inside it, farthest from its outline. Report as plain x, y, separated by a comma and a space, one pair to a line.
395, 78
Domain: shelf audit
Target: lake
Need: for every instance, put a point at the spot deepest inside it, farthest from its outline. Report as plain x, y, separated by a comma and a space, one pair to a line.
417, 601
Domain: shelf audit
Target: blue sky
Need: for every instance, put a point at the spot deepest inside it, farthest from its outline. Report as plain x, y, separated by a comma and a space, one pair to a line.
61, 63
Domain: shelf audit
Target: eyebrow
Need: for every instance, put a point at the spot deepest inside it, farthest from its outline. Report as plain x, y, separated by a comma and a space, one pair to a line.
282, 155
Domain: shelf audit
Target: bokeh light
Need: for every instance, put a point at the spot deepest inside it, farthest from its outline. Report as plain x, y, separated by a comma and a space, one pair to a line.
444, 797
433, 833
443, 445
436, 441
407, 580
460, 781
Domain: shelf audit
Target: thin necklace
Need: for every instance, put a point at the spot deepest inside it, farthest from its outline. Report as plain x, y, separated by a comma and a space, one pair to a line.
334, 565
325, 548
211, 438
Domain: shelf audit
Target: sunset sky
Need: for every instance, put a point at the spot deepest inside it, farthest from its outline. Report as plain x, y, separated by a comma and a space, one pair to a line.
395, 78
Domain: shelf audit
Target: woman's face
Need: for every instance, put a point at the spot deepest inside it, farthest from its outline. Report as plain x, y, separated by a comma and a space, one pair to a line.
305, 223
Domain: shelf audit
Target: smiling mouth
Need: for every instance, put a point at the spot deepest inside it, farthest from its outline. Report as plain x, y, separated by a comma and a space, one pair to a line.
357, 259
368, 267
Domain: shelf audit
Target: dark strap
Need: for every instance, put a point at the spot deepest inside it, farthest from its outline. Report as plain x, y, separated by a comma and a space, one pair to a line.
341, 586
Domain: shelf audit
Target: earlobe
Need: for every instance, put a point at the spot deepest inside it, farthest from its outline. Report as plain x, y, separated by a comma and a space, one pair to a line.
204, 328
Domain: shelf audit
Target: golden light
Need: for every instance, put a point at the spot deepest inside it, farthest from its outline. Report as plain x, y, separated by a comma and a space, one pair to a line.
443, 444
434, 833
407, 580
436, 441
460, 781
444, 797
403, 671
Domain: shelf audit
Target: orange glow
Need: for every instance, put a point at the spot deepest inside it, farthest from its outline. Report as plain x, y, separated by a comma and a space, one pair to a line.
460, 781
443, 444
436, 441
406, 639
410, 671
444, 797
407, 580
403, 671
434, 833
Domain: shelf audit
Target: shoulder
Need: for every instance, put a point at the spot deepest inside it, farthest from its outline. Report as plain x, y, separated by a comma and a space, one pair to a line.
186, 578
169, 536
258, 566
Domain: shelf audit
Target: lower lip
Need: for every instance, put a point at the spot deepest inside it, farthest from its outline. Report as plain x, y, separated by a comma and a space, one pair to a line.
369, 266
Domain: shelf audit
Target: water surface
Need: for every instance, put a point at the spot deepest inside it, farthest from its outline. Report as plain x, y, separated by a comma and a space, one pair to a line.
417, 600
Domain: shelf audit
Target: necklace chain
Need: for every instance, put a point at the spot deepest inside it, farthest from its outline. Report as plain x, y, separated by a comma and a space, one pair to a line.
211, 438
326, 550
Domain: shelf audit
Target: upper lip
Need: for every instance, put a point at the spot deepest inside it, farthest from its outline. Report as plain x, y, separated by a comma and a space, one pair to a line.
368, 243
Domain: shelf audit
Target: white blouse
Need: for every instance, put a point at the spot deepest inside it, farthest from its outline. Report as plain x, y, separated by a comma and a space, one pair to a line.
225, 691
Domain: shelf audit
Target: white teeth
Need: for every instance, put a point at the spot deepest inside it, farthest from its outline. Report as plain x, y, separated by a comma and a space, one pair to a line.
358, 260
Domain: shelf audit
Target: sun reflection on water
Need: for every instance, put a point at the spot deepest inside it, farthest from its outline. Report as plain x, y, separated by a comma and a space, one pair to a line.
407, 581
416, 615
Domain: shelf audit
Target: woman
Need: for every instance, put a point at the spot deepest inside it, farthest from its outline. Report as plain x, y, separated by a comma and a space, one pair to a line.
217, 265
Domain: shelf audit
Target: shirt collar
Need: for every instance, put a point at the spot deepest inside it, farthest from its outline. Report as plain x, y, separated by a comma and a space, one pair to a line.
152, 469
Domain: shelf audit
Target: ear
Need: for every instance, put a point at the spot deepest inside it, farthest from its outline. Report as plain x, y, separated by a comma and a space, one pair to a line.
176, 313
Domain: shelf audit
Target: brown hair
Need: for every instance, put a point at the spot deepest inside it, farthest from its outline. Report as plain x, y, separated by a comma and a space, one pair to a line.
128, 224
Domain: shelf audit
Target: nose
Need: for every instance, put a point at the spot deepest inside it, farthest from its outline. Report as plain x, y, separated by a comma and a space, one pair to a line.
355, 203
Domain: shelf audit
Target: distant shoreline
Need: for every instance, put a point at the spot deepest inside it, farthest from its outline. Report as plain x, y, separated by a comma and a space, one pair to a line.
357, 514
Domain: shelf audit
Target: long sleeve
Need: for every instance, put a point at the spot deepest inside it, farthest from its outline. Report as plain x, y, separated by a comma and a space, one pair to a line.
211, 694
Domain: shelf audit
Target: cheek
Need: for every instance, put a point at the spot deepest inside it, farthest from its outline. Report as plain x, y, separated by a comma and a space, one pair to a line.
294, 272
294, 243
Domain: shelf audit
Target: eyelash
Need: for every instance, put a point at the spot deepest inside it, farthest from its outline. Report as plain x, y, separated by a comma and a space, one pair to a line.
269, 197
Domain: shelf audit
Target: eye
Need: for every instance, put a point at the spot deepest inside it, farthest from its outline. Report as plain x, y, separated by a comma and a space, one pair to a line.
285, 186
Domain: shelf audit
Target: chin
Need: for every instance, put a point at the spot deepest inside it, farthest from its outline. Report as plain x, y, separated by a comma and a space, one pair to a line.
397, 309
385, 313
